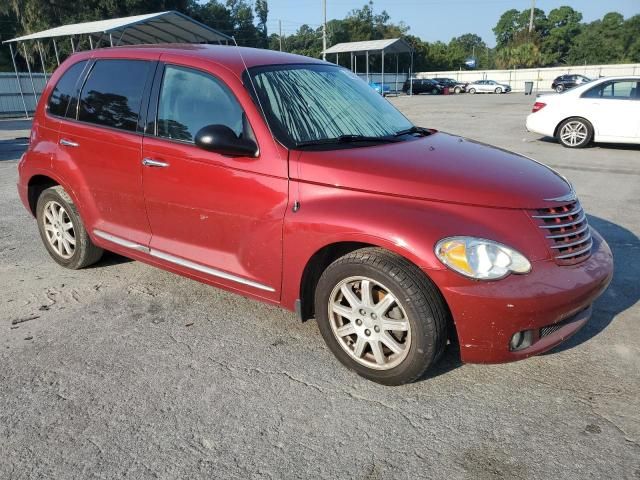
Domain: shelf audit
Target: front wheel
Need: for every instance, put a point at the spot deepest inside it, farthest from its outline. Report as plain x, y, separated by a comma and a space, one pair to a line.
381, 316
498, 90
575, 133
472, 91
457, 90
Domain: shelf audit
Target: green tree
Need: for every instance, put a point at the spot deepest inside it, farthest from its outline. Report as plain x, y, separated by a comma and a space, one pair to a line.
564, 26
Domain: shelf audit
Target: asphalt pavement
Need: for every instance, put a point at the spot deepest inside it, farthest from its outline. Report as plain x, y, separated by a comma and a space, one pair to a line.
126, 371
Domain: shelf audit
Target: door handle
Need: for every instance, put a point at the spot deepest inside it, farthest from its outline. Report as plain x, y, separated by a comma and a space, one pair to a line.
150, 162
68, 143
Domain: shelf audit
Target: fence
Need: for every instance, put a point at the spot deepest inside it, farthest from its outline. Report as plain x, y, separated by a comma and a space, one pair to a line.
11, 101
541, 77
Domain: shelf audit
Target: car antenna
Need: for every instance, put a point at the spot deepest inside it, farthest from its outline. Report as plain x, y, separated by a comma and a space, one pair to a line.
296, 202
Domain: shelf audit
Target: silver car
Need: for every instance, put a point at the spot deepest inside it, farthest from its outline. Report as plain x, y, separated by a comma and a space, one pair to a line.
488, 86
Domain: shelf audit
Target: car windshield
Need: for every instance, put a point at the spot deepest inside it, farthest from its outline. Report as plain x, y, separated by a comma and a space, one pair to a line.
307, 104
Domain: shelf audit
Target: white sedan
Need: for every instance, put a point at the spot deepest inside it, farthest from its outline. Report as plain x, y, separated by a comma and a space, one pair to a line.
488, 86
605, 110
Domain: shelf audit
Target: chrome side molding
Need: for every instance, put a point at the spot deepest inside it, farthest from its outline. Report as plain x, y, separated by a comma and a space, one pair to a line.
121, 241
181, 261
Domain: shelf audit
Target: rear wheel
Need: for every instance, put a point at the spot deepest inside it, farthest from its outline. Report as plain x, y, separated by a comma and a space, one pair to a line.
472, 91
63, 232
560, 88
381, 316
575, 133
457, 90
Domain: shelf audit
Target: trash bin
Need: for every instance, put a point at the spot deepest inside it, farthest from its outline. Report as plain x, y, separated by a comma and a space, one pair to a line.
528, 88
445, 91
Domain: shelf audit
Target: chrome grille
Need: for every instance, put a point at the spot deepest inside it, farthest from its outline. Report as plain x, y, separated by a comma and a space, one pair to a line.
567, 232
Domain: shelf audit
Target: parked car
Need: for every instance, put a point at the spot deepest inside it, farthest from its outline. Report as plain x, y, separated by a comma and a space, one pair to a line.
605, 110
453, 85
488, 86
565, 82
422, 85
396, 238
378, 88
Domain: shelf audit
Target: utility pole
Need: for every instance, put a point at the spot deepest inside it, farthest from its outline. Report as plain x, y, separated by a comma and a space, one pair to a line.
533, 7
280, 33
324, 29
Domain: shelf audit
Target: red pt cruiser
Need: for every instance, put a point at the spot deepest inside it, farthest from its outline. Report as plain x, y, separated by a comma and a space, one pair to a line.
290, 180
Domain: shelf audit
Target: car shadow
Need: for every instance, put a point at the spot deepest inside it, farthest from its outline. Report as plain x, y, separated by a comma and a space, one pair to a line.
110, 259
611, 146
624, 290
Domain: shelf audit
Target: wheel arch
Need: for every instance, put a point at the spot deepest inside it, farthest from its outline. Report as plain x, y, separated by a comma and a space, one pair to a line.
324, 256
578, 117
35, 186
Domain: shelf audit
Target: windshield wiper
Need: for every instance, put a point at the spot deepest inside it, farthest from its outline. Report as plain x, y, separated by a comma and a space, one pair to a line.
347, 139
424, 131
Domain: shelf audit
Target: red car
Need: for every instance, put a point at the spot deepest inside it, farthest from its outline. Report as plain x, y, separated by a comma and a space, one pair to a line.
289, 180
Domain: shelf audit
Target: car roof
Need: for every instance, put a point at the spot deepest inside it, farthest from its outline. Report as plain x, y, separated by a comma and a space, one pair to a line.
232, 57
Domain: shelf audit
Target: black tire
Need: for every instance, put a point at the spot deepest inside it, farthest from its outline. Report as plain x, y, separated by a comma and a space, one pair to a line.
425, 308
560, 88
457, 90
85, 253
584, 125
471, 91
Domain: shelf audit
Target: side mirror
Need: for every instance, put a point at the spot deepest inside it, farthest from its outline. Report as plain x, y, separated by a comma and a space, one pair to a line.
221, 139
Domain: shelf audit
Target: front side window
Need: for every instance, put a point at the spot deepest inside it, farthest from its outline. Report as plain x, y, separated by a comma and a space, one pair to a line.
311, 103
65, 91
190, 100
621, 90
112, 95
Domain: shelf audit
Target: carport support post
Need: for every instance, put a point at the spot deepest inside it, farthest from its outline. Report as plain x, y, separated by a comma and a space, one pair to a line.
55, 49
33, 86
111, 39
397, 64
382, 86
367, 57
15, 68
44, 69
90, 42
351, 55
410, 75
73, 47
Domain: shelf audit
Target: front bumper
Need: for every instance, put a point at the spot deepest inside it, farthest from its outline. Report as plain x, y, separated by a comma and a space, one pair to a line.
488, 314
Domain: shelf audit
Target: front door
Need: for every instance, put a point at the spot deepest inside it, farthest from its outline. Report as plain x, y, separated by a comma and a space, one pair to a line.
218, 217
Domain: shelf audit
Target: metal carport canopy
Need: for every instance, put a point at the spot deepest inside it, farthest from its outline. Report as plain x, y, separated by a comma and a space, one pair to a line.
391, 45
161, 27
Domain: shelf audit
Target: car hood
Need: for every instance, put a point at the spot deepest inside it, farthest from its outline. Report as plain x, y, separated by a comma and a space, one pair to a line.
439, 167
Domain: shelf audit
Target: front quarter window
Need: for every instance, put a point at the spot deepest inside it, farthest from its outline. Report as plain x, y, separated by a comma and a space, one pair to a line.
311, 102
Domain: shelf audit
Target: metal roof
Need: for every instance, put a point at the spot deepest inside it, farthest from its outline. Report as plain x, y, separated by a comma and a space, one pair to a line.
161, 27
391, 45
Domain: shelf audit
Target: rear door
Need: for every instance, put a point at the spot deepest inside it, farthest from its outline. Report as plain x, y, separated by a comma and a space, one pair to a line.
214, 216
613, 109
102, 138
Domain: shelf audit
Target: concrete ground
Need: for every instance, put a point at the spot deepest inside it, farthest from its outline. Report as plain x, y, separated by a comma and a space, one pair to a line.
123, 370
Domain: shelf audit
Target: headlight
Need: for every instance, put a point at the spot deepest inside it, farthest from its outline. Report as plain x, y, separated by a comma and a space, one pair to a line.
480, 259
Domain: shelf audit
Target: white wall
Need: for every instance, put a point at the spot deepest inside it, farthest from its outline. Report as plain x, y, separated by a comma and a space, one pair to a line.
541, 77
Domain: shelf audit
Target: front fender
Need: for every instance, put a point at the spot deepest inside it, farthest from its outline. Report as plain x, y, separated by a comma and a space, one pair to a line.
406, 226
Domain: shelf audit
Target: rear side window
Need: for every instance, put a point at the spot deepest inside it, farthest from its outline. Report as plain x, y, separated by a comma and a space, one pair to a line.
66, 89
622, 89
112, 95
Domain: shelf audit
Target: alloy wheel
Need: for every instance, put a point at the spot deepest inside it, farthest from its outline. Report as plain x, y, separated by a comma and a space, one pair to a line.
369, 323
59, 230
574, 133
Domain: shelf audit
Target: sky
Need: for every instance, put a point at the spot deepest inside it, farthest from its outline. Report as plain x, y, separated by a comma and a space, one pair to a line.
434, 20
